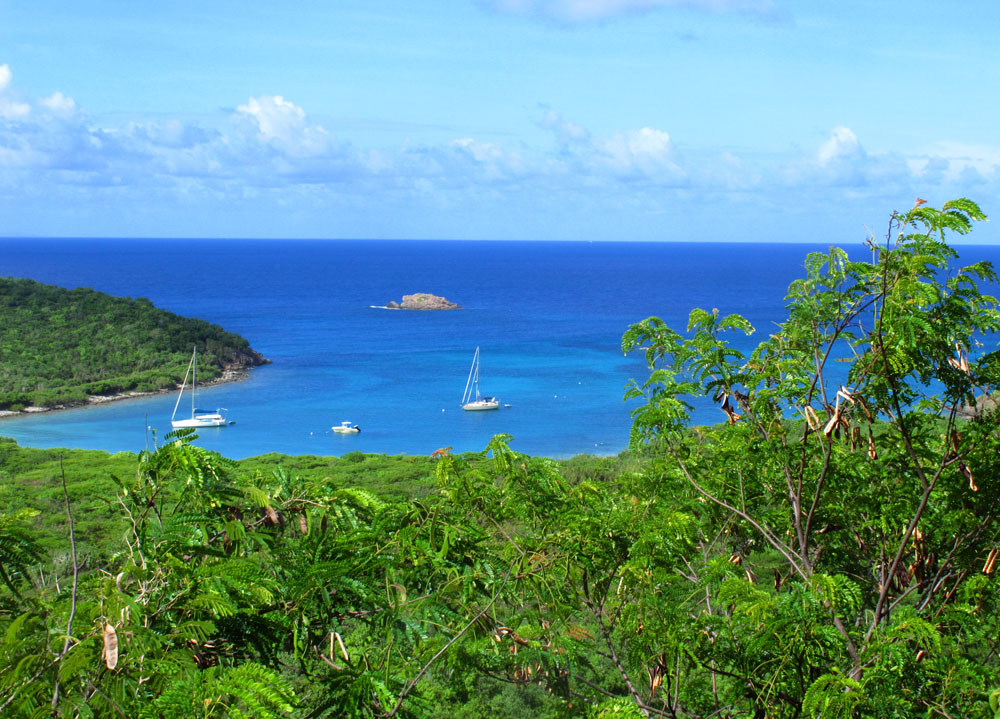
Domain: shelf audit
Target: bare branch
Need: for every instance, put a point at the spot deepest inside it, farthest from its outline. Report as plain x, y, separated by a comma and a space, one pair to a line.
76, 571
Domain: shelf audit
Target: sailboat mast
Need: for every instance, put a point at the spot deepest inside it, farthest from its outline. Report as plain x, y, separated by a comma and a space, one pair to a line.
181, 393
473, 372
194, 376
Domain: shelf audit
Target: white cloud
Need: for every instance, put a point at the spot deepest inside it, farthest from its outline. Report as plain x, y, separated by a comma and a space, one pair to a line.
10, 108
484, 152
952, 160
842, 161
578, 11
842, 145
646, 152
649, 143
58, 104
489, 160
14, 110
284, 124
170, 133
564, 129
275, 116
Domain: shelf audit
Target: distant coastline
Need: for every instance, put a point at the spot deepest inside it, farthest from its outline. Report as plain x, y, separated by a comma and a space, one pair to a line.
228, 376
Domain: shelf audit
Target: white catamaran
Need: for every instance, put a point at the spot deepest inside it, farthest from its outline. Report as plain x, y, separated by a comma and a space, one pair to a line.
472, 388
199, 417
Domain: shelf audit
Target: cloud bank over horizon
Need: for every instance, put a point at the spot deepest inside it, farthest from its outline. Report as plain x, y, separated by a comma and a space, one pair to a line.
269, 154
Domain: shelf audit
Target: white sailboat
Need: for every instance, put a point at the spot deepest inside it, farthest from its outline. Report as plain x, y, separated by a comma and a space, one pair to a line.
199, 417
471, 399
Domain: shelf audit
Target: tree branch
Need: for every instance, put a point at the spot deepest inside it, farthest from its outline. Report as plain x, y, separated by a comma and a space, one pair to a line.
76, 571
413, 682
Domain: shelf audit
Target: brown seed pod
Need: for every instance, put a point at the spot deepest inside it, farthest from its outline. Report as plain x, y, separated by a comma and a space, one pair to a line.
991, 560
846, 394
726, 407
343, 649
962, 363
110, 654
655, 679
832, 424
967, 473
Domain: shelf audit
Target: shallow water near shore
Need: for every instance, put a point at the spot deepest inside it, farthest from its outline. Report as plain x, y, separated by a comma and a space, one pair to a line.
548, 317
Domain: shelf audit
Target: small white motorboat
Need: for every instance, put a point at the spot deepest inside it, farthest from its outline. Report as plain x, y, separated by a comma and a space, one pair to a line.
346, 428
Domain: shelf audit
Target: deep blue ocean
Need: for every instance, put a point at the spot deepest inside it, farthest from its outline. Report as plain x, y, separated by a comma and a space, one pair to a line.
548, 317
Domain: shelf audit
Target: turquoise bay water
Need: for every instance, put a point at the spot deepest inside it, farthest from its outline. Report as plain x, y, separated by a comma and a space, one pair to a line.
548, 317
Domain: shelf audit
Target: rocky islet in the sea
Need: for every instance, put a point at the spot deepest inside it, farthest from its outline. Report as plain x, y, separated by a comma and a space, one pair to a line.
423, 301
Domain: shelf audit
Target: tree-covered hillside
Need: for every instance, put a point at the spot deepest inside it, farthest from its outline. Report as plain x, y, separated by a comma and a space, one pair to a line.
58, 346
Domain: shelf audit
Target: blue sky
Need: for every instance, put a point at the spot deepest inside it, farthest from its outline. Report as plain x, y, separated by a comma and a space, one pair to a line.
707, 120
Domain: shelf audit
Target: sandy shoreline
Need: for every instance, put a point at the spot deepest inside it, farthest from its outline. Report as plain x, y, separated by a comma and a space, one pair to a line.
93, 400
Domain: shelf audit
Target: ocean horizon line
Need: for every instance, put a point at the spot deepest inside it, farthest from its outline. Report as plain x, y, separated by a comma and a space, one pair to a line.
483, 241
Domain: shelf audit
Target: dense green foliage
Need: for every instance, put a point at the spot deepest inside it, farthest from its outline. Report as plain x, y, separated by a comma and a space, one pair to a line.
229, 589
30, 479
58, 346
829, 551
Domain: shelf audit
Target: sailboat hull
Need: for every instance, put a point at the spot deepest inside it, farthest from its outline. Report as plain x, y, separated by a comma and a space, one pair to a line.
481, 404
208, 420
